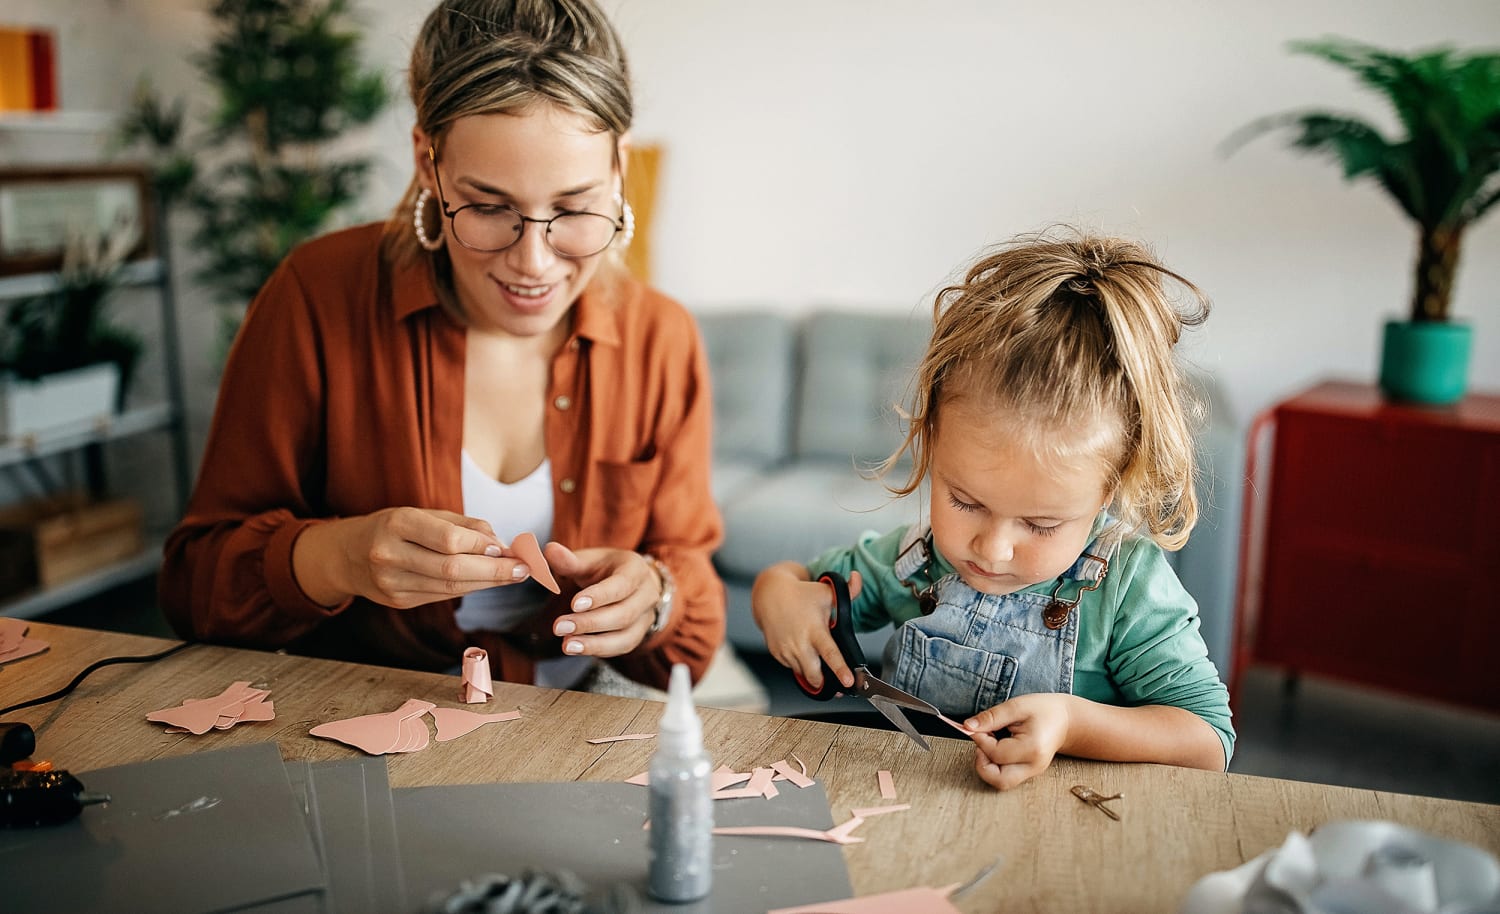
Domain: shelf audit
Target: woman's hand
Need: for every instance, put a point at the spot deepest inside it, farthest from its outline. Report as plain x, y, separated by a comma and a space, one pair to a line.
401, 557
793, 612
615, 607
1038, 725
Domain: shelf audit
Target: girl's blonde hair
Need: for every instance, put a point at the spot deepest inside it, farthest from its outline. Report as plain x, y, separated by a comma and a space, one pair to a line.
1073, 336
505, 57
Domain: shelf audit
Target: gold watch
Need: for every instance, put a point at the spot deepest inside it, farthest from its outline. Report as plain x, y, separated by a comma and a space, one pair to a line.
663, 608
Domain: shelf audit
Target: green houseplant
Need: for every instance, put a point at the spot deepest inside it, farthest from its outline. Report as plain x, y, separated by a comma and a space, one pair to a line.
288, 81
55, 335
1444, 174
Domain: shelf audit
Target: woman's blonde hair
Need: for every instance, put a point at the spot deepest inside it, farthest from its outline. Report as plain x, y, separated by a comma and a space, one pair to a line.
1072, 335
504, 57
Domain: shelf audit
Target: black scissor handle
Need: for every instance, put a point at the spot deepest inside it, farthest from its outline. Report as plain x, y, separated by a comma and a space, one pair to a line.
841, 624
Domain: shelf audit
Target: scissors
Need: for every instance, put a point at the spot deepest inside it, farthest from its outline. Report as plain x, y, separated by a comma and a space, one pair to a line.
887, 699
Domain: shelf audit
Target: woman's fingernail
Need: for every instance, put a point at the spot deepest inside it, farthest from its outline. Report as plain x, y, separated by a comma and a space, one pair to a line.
492, 551
582, 603
519, 572
564, 627
573, 647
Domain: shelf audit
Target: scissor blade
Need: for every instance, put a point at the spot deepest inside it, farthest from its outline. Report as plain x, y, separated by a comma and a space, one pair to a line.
873, 687
894, 715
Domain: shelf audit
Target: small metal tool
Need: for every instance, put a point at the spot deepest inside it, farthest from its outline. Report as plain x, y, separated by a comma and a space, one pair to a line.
1096, 800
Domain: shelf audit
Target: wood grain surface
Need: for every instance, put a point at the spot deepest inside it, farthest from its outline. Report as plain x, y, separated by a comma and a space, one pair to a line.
1058, 853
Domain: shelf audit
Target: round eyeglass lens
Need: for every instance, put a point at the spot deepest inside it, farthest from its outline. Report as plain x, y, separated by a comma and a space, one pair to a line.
495, 228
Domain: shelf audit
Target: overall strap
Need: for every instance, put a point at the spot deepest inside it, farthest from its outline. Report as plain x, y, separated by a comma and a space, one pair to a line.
914, 566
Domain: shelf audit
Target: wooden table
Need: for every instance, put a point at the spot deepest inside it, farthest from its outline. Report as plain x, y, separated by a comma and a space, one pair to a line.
1059, 854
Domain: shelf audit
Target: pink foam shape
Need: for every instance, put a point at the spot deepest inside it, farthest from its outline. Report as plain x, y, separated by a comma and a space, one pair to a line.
956, 725
12, 632
641, 780
842, 831
785, 831
785, 772
415, 736
867, 811
199, 715
925, 899
455, 722
477, 686
529, 551
887, 784
375, 734
26, 647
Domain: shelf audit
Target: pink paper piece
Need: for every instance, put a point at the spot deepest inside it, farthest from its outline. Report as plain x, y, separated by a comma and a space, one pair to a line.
641, 780
455, 722
14, 644
956, 725
222, 711
925, 899
477, 686
760, 786
378, 734
887, 784
623, 736
785, 831
785, 772
529, 551
868, 811
841, 832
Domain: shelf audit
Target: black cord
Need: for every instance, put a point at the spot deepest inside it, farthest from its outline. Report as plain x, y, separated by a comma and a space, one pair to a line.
62, 692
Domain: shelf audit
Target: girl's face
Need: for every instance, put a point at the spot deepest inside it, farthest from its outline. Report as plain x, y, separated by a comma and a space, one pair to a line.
542, 163
1000, 514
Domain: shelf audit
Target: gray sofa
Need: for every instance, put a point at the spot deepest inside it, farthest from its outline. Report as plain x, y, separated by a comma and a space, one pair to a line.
803, 405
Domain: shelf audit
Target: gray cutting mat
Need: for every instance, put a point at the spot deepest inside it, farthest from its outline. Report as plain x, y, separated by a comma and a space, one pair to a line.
208, 831
449, 834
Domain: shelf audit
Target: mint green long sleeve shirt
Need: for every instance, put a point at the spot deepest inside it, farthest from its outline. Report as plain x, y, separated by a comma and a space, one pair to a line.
1138, 633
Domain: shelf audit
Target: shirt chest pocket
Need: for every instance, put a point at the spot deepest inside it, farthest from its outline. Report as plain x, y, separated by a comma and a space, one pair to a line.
619, 502
959, 679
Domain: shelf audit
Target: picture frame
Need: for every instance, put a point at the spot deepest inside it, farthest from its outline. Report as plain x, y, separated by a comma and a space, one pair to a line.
41, 206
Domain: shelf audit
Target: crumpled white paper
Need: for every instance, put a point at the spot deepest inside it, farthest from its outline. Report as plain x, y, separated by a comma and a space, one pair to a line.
1355, 867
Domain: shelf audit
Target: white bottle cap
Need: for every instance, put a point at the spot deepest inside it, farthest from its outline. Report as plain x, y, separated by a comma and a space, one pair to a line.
681, 730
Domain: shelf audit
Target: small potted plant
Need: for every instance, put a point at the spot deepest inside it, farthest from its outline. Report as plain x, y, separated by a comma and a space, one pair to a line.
62, 361
1442, 173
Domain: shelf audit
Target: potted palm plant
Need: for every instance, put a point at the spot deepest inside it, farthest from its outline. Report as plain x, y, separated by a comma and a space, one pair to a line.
1442, 173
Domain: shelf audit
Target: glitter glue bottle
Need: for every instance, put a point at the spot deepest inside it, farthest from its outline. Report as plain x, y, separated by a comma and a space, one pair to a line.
682, 816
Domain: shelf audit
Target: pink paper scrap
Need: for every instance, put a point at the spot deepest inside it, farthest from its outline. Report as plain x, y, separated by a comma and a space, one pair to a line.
477, 686
925, 899
378, 734
14, 645
529, 551
623, 736
887, 784
238, 702
455, 722
866, 812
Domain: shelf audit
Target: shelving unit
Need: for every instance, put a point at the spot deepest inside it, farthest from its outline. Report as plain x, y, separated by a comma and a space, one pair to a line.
168, 417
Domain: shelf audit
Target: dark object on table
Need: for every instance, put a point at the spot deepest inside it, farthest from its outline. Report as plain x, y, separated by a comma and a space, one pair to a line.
533, 892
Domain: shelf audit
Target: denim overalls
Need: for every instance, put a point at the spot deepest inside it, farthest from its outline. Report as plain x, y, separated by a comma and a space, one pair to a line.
975, 650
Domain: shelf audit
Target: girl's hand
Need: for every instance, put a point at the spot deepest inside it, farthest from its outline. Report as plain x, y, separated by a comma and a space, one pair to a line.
615, 607
793, 613
401, 557
1038, 725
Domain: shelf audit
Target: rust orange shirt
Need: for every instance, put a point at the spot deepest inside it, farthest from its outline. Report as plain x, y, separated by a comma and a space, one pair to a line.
344, 394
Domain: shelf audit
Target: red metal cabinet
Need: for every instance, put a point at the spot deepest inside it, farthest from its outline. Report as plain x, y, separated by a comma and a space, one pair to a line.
1371, 544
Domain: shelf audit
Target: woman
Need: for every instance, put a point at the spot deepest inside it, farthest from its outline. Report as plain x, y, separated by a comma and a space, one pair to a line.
403, 400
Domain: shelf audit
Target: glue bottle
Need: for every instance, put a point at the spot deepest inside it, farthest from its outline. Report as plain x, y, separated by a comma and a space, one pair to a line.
682, 817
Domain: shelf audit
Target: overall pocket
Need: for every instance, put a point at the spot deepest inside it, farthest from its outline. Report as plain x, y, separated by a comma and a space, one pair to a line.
959, 680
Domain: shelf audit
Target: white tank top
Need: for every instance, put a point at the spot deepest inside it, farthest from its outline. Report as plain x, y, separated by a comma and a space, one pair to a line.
519, 507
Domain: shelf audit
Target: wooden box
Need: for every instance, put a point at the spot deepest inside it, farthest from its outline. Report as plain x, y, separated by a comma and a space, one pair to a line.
46, 542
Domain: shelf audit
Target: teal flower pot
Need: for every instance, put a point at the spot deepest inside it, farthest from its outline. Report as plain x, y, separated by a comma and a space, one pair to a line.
1425, 362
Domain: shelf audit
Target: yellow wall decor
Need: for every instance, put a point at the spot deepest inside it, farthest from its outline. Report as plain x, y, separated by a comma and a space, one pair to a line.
642, 168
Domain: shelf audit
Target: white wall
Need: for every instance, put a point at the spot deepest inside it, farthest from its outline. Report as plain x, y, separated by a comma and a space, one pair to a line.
857, 152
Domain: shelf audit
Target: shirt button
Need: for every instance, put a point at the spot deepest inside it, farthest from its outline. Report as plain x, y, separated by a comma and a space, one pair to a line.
573, 344
567, 485
562, 403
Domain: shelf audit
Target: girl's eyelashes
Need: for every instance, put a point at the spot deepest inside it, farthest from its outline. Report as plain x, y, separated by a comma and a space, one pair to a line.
1040, 530
961, 505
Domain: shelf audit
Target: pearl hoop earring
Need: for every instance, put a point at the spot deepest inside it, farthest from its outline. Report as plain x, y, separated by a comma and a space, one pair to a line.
418, 225
628, 215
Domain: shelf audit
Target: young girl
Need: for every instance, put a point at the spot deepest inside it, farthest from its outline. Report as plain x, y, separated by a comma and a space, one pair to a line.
1051, 424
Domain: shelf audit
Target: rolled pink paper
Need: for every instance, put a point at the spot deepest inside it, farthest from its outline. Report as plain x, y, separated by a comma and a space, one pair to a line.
477, 685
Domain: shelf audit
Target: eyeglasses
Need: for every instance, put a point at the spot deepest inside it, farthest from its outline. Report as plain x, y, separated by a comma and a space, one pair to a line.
491, 227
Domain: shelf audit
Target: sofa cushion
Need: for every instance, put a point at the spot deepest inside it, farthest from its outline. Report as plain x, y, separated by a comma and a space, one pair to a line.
854, 369
799, 510
750, 362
